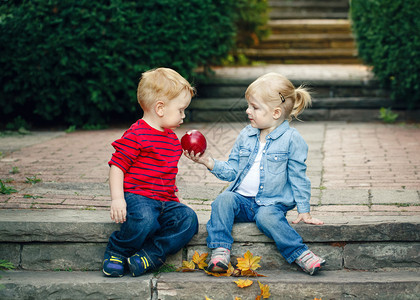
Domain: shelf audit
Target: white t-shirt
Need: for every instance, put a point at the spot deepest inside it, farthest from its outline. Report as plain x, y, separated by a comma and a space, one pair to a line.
250, 184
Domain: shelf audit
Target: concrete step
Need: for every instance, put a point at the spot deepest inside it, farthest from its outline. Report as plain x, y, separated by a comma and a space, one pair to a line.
45, 240
313, 41
304, 56
308, 40
345, 284
353, 109
309, 26
300, 9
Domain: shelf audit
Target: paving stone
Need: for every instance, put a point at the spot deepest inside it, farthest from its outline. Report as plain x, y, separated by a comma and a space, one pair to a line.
396, 197
344, 197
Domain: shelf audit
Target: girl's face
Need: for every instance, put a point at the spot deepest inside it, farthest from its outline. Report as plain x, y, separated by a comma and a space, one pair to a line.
260, 114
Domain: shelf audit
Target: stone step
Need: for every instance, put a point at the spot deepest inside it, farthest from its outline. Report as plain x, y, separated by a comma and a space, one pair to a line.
294, 56
301, 9
309, 26
231, 86
72, 240
345, 284
353, 109
307, 40
313, 41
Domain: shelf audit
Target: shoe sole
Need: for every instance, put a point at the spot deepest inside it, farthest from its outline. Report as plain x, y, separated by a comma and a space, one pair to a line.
217, 268
113, 274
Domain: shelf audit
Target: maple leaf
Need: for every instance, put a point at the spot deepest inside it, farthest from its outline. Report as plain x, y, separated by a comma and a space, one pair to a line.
207, 298
243, 283
237, 298
228, 272
200, 260
265, 290
187, 266
251, 273
248, 262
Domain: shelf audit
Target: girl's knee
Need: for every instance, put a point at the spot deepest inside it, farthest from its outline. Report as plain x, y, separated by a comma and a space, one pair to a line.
224, 200
267, 217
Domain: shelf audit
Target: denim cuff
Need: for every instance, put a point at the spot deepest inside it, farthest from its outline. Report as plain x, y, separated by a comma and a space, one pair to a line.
218, 245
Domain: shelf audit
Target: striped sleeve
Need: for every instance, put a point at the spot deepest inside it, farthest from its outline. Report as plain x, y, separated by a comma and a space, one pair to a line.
127, 149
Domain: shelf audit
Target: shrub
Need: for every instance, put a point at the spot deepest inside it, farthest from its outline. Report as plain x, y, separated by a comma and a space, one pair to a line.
251, 18
78, 62
387, 35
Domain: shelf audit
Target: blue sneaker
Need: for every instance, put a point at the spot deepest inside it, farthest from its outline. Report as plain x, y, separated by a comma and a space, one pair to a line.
139, 264
113, 266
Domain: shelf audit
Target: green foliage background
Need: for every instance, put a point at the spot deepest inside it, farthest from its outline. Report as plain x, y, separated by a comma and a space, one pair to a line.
79, 62
388, 38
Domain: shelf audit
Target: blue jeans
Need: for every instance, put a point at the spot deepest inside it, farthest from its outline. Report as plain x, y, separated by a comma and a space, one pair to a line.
154, 227
230, 207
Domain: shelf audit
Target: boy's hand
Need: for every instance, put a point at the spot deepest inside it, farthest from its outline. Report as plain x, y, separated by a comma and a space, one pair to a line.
118, 210
307, 218
201, 158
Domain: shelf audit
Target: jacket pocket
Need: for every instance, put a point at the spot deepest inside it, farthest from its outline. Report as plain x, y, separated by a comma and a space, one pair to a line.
243, 157
276, 163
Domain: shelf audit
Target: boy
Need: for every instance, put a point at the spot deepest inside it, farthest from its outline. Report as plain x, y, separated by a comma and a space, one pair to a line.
142, 180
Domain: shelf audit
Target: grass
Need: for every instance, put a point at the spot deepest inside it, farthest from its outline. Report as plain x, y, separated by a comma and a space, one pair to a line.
6, 190
33, 179
6, 265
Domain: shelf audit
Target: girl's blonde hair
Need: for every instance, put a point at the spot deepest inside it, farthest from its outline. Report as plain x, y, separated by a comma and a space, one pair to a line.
277, 91
161, 84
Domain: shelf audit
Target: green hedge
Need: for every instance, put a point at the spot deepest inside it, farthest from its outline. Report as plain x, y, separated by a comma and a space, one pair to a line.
78, 62
388, 38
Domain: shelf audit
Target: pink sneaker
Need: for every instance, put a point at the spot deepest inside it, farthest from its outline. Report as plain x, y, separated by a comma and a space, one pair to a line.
219, 262
309, 262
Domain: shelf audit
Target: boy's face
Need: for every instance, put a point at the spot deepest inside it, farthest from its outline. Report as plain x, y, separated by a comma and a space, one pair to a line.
174, 111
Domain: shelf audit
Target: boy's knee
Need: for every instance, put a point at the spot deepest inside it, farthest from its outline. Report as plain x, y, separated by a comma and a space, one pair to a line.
191, 216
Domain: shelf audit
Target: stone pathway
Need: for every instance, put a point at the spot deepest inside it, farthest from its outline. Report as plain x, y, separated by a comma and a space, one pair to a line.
364, 169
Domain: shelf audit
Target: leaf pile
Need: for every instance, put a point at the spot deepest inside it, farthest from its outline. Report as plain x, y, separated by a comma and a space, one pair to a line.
245, 267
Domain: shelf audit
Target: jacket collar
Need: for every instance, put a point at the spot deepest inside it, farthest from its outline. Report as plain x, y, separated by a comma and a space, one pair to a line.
276, 133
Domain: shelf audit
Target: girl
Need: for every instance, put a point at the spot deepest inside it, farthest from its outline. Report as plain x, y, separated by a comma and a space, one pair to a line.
268, 173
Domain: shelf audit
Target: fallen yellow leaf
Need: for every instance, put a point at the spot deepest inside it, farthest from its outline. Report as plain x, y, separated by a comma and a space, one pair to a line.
228, 272
248, 262
187, 266
265, 290
250, 273
200, 260
243, 283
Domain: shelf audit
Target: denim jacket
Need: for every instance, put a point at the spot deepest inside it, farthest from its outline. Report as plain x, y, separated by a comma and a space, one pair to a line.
282, 171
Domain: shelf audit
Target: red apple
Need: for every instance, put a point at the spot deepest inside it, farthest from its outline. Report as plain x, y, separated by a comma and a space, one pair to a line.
195, 141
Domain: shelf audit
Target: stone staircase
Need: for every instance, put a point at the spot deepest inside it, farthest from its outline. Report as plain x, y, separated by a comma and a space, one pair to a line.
307, 32
58, 254
339, 93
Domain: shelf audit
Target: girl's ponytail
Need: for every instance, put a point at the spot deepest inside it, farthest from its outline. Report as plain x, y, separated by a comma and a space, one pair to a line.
302, 101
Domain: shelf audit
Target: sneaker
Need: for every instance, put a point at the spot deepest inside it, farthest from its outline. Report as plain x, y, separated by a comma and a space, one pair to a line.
309, 262
219, 262
139, 264
113, 266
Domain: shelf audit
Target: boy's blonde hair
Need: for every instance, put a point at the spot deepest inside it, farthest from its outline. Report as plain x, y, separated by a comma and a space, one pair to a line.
273, 88
161, 84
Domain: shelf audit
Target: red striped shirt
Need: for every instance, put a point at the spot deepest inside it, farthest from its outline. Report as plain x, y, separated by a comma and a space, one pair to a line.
149, 159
